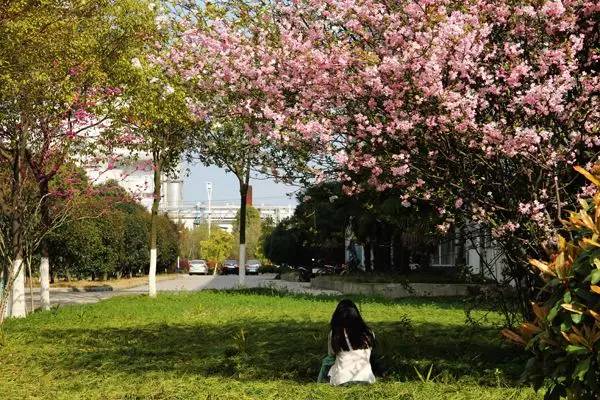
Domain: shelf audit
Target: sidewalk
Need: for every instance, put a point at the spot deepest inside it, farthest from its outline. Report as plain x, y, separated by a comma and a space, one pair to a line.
102, 286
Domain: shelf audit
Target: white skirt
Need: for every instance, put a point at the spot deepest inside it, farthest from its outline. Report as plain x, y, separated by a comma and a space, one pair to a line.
352, 366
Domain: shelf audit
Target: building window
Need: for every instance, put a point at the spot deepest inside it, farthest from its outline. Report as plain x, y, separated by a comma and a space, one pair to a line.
445, 253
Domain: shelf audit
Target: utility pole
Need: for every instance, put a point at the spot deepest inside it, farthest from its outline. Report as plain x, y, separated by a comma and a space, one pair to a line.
209, 195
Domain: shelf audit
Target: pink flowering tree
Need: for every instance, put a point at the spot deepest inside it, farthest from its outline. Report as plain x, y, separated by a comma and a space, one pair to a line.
481, 108
226, 56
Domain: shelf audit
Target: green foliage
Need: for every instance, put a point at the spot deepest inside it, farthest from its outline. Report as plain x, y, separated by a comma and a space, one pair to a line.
135, 239
167, 242
319, 228
218, 247
253, 345
285, 244
108, 235
53, 51
565, 335
191, 239
253, 232
77, 248
266, 228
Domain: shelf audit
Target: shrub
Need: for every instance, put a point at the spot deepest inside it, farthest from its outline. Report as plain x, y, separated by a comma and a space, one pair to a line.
168, 243
212, 265
184, 265
565, 335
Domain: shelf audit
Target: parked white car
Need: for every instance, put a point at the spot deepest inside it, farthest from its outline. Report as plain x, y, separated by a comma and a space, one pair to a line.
198, 267
252, 267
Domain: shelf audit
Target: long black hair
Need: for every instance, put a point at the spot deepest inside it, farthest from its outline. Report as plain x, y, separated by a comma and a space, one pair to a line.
347, 322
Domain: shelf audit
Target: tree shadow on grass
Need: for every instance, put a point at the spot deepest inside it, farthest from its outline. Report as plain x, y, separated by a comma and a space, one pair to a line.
248, 349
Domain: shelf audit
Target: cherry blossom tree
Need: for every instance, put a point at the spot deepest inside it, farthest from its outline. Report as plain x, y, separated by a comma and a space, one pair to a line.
480, 108
225, 55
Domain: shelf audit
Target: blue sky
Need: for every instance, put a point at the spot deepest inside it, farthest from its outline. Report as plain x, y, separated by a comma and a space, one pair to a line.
226, 188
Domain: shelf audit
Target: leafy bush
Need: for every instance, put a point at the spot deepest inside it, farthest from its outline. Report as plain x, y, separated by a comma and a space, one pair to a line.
168, 243
135, 239
184, 265
565, 335
109, 236
218, 247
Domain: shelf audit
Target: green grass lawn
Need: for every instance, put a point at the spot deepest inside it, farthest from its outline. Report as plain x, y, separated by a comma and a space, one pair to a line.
247, 345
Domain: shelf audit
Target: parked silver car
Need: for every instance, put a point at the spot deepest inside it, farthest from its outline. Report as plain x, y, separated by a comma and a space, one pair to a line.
252, 267
198, 267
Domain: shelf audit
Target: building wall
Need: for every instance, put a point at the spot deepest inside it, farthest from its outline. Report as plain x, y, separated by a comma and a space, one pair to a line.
481, 254
137, 177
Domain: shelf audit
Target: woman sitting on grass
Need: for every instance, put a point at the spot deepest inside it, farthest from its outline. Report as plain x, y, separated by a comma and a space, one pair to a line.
350, 342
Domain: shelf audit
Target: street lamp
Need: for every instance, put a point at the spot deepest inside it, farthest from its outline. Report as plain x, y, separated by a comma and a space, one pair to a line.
209, 195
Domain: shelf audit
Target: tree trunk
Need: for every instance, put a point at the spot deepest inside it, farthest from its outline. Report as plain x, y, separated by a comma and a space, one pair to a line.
391, 251
153, 223
13, 300
17, 301
30, 285
244, 183
242, 254
45, 260
461, 260
4, 281
403, 255
16, 305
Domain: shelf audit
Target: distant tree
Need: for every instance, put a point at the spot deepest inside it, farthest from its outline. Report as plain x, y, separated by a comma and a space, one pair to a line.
154, 118
107, 236
135, 239
285, 245
167, 241
253, 230
390, 233
267, 227
222, 57
190, 243
218, 247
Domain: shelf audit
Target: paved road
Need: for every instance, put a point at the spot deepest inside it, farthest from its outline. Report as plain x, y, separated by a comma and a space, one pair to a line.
183, 283
199, 282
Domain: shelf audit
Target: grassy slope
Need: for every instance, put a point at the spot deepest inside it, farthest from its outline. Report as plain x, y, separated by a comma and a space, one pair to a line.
213, 345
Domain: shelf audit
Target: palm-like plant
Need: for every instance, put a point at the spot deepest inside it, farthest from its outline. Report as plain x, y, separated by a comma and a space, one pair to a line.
564, 337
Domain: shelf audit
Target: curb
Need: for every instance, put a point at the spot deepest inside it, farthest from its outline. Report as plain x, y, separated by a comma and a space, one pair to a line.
52, 290
103, 288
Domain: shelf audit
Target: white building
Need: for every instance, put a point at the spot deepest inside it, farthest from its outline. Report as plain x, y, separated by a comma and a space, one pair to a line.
223, 215
480, 255
135, 174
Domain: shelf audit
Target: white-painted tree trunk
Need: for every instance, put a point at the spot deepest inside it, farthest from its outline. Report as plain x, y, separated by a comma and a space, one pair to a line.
16, 302
45, 283
152, 274
242, 265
